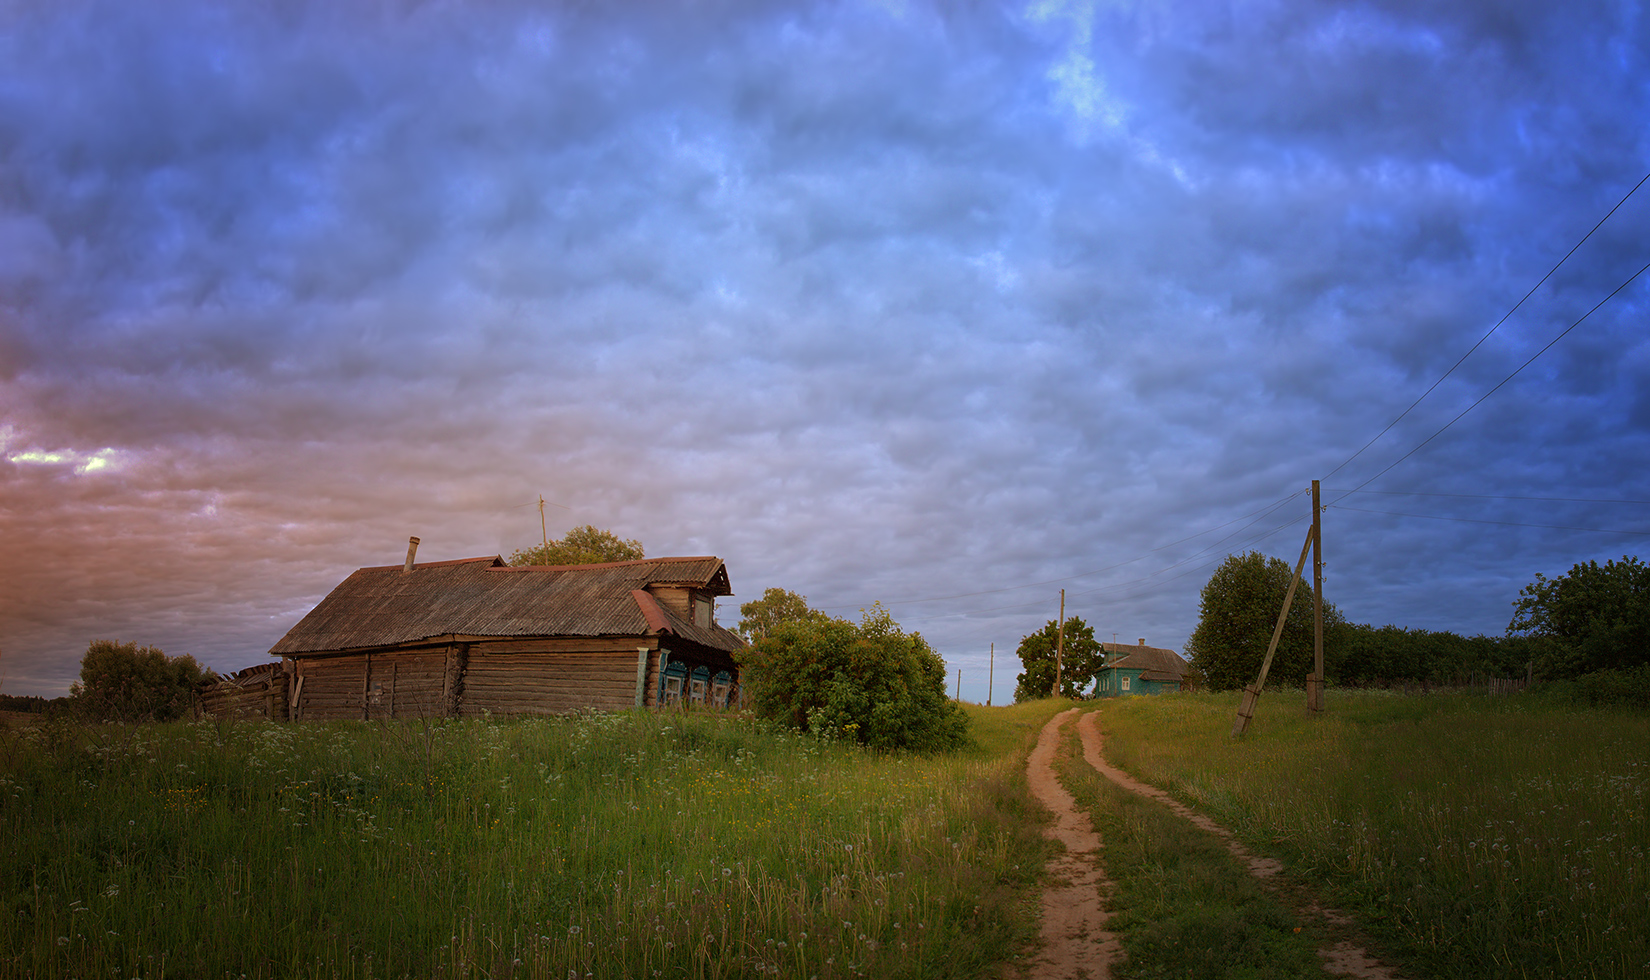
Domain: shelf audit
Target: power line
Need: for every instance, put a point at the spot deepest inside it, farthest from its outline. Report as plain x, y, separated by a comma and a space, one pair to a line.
1493, 329
1499, 385
1496, 496
1472, 520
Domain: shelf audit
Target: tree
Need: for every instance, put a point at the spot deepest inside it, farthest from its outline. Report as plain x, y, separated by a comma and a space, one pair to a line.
126, 682
759, 617
1079, 663
871, 683
1238, 612
1595, 617
586, 545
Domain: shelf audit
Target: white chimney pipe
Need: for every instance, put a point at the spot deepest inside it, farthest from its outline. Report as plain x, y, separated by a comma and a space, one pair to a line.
412, 549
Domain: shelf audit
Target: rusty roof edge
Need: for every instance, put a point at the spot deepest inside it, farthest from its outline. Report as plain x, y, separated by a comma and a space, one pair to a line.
655, 616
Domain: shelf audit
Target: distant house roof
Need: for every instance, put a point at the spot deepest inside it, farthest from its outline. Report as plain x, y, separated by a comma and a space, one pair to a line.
1154, 663
483, 597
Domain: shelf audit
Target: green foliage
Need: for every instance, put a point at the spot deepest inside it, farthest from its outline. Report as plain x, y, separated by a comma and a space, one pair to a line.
1359, 654
871, 683
1080, 661
1626, 689
1596, 617
126, 682
759, 617
1238, 613
585, 545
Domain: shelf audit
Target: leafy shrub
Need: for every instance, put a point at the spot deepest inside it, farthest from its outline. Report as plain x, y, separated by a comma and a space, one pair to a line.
871, 683
1626, 688
126, 682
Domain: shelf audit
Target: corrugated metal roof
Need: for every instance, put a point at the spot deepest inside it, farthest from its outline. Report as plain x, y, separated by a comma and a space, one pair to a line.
384, 605
1163, 662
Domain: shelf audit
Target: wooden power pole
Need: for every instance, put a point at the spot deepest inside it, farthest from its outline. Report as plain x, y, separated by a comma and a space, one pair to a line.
1314, 683
991, 674
1246, 710
1060, 644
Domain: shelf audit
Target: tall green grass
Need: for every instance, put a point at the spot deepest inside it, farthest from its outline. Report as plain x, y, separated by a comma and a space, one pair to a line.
631, 845
1482, 836
1183, 906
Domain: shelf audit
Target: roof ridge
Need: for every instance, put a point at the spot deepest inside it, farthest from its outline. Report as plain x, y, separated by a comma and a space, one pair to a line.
605, 564
433, 564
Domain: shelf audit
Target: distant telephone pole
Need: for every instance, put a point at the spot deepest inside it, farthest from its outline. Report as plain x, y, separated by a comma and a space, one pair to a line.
1060, 644
991, 674
1314, 684
959, 683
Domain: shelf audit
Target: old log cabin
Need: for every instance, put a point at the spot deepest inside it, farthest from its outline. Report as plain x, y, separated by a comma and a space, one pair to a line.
477, 635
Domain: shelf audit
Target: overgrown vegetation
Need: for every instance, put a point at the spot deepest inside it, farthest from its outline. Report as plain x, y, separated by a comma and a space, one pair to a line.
631, 845
870, 683
1481, 836
1595, 617
128, 683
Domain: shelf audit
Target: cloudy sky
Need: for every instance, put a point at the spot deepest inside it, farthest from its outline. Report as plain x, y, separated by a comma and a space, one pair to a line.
950, 306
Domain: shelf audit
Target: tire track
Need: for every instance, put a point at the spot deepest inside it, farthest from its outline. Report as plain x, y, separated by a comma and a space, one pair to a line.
1345, 957
1075, 943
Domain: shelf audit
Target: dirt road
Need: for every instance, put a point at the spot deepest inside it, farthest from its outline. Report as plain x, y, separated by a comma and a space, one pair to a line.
1076, 945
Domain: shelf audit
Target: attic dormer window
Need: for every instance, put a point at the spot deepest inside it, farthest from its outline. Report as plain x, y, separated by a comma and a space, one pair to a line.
703, 610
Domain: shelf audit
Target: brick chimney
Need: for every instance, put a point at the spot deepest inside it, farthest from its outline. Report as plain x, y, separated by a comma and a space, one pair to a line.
412, 549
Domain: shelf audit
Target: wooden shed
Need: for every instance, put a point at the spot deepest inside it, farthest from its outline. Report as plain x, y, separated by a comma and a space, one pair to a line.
476, 636
1139, 669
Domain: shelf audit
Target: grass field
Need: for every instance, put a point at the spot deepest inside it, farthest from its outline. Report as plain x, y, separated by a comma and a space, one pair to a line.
1477, 836
1474, 836
628, 845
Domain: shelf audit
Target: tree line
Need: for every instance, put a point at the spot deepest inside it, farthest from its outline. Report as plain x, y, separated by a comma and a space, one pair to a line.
1594, 618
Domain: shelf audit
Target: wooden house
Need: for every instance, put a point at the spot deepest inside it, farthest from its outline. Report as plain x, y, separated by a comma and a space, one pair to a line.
1139, 669
476, 635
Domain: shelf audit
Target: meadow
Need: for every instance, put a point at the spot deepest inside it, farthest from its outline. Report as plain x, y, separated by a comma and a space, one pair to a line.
1475, 836
621, 845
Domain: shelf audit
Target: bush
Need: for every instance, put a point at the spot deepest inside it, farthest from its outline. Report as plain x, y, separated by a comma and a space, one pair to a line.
126, 682
1626, 688
871, 683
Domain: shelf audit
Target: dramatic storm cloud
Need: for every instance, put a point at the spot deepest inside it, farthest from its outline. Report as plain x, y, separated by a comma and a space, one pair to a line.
891, 302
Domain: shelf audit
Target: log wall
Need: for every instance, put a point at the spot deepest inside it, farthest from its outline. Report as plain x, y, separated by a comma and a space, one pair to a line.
544, 676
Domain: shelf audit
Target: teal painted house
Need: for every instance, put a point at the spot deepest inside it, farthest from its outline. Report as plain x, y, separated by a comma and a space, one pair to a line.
1139, 669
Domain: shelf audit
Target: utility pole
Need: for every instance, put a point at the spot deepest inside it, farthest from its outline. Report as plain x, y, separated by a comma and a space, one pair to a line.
542, 530
1060, 644
959, 683
1314, 684
991, 674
